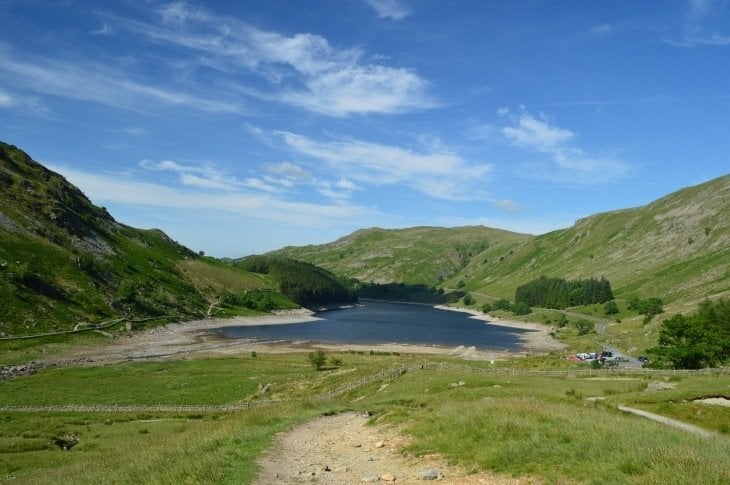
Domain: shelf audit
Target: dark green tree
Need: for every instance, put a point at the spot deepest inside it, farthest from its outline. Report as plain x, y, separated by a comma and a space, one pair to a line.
701, 339
317, 358
610, 308
521, 308
502, 304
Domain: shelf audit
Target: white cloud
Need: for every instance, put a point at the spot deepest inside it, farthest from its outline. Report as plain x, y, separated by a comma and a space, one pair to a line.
203, 177
704, 24
5, 100
393, 9
87, 81
573, 164
254, 183
601, 30
319, 77
361, 90
134, 131
287, 170
124, 190
507, 205
439, 174
346, 184
538, 134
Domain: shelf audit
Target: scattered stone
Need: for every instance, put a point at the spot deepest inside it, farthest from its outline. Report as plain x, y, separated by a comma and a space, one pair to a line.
326, 468
67, 441
430, 474
387, 477
357, 445
380, 444
21, 370
369, 479
716, 401
660, 386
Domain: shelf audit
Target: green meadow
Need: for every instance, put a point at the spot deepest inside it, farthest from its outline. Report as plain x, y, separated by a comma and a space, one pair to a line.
559, 429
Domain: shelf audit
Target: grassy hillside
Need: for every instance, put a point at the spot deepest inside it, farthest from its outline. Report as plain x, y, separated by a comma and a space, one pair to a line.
65, 261
419, 255
676, 248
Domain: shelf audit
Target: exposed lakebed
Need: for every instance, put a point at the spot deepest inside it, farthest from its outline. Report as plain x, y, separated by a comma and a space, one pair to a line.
375, 322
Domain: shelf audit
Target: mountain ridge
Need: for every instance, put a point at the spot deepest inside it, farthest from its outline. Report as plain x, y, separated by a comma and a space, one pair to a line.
675, 247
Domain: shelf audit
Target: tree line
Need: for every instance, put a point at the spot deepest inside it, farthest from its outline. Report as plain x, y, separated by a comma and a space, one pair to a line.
303, 283
560, 293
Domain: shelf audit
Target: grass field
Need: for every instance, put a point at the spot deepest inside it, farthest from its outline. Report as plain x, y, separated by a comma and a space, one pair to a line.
542, 427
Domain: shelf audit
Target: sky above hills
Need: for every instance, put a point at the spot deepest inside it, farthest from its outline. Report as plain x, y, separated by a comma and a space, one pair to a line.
242, 127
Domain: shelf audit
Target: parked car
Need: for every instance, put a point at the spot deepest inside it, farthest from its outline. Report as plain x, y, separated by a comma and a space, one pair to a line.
643, 359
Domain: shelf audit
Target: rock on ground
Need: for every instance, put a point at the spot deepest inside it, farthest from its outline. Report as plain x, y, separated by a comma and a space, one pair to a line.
344, 450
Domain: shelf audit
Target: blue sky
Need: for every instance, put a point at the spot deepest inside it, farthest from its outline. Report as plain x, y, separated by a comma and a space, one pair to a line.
242, 127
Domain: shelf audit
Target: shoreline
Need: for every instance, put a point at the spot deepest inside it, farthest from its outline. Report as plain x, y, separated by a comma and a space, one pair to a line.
200, 337
537, 340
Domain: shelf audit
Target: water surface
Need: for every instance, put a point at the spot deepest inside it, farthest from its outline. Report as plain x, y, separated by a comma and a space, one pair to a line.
385, 323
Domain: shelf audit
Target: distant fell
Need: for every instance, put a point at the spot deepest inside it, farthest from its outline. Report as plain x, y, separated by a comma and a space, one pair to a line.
418, 255
676, 248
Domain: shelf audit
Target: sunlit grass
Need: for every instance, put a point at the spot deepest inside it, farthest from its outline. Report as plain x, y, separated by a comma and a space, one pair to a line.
544, 427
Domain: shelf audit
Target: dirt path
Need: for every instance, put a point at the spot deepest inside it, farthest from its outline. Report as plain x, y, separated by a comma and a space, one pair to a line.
344, 450
668, 421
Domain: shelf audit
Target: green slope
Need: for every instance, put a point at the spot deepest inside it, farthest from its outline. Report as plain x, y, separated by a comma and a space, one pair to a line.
419, 255
677, 248
65, 261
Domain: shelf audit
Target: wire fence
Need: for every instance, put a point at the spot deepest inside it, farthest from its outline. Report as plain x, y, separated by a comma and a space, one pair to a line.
386, 375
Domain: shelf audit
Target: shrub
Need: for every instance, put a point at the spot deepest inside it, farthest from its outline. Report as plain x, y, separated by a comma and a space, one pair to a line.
503, 304
317, 358
610, 308
521, 308
584, 326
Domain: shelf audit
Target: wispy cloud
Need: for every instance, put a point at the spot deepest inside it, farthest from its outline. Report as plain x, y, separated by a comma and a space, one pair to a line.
302, 70
125, 190
393, 9
565, 162
507, 205
271, 178
90, 81
5, 100
27, 103
202, 177
705, 23
601, 30
439, 174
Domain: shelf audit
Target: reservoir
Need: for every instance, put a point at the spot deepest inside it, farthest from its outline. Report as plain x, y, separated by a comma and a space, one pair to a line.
376, 322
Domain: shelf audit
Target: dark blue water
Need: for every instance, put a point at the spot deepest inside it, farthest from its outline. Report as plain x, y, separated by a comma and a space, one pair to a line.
384, 323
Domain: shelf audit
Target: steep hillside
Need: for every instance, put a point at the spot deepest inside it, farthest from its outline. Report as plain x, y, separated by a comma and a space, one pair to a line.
65, 261
419, 255
677, 248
